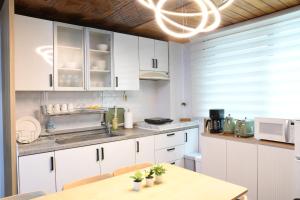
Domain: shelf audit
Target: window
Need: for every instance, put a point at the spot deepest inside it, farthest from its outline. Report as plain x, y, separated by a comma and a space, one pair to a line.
249, 72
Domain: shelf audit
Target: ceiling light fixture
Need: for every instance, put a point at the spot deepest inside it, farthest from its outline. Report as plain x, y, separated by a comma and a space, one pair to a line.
206, 7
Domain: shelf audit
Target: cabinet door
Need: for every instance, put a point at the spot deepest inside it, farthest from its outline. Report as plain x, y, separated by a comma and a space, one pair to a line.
99, 59
162, 56
145, 150
126, 62
213, 157
77, 163
33, 54
37, 173
115, 155
69, 62
242, 166
191, 140
275, 173
146, 54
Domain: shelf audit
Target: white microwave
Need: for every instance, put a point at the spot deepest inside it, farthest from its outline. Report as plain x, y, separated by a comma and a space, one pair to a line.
273, 129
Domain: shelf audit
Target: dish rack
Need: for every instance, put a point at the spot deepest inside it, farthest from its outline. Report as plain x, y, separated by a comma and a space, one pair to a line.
79, 111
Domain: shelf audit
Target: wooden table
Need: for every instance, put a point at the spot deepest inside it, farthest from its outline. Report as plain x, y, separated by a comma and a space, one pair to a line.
179, 184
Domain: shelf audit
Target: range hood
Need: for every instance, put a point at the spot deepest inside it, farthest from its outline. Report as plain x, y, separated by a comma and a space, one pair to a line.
152, 75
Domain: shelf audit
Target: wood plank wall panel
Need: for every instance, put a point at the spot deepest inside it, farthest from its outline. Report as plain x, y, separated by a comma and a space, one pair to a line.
129, 16
8, 97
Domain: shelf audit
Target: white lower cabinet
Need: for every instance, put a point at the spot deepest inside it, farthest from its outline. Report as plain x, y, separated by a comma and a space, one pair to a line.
275, 173
76, 163
115, 155
144, 150
213, 153
49, 172
242, 166
37, 173
191, 140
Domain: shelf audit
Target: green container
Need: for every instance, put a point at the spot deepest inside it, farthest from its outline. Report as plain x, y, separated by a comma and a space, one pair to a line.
229, 125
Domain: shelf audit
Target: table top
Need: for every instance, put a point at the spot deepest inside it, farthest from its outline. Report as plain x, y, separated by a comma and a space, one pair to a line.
178, 184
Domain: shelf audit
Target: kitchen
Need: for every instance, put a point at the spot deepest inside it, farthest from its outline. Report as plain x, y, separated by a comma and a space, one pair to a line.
93, 88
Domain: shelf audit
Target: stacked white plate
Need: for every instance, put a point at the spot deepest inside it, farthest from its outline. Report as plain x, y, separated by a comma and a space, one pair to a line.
28, 129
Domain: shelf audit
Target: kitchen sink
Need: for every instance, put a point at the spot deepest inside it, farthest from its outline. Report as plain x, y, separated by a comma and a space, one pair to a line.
81, 138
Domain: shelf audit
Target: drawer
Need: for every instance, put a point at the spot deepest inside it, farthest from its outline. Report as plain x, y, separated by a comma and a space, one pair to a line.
169, 154
178, 163
169, 139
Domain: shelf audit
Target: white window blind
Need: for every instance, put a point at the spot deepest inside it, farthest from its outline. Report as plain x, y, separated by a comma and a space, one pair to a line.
249, 73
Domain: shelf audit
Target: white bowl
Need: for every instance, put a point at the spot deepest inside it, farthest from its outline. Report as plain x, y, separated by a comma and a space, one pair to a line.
102, 47
100, 64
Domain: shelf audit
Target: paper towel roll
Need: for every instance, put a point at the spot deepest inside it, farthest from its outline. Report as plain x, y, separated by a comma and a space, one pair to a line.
128, 121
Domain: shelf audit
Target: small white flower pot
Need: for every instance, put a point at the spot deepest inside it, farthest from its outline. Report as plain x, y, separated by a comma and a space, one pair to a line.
137, 186
149, 182
158, 179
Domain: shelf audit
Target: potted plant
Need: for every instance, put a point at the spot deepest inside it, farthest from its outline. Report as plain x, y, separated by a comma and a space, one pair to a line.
137, 180
159, 170
149, 175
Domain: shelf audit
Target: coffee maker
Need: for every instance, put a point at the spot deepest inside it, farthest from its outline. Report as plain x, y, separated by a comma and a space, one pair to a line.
216, 120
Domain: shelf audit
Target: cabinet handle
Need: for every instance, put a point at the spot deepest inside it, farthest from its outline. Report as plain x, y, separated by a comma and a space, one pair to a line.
172, 163
137, 146
170, 134
102, 153
172, 149
153, 63
52, 163
186, 137
97, 155
50, 80
117, 81
156, 63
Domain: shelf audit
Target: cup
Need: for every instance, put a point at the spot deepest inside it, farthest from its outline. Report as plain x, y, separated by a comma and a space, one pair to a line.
64, 108
49, 108
70, 107
102, 47
56, 108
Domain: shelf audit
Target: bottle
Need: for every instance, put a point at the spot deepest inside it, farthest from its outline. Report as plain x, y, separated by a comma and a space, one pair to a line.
115, 120
128, 119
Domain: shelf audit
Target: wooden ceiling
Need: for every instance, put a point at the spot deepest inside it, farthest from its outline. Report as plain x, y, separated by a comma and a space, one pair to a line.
128, 16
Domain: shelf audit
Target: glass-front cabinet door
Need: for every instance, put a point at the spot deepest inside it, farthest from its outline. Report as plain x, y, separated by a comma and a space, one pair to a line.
69, 62
99, 59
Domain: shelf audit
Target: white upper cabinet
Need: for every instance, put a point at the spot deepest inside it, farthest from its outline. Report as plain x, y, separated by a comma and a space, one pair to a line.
145, 150
77, 163
162, 56
116, 155
153, 55
99, 59
37, 173
146, 54
191, 140
126, 62
33, 54
242, 166
69, 59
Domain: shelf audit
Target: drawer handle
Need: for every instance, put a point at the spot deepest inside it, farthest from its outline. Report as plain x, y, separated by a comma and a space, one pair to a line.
97, 155
172, 149
170, 134
102, 153
52, 163
137, 146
